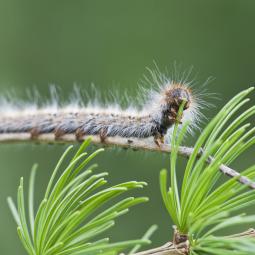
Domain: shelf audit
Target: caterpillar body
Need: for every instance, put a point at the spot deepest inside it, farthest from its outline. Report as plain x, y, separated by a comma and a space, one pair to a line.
154, 119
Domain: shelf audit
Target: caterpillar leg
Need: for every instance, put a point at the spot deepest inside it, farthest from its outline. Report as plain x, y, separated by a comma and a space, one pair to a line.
174, 117
59, 133
159, 139
103, 134
34, 132
79, 133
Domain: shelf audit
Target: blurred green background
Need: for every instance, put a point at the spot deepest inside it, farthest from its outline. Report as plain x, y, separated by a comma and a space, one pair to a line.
110, 43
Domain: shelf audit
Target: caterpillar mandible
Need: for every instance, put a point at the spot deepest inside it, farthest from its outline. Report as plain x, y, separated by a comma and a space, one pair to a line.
154, 118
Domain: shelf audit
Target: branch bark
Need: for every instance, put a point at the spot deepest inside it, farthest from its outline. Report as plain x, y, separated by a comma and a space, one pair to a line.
122, 142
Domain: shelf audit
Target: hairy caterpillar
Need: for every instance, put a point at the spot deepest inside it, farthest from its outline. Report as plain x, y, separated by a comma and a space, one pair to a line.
153, 119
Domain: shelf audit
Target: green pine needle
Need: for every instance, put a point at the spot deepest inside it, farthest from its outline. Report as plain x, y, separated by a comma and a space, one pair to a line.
69, 220
204, 206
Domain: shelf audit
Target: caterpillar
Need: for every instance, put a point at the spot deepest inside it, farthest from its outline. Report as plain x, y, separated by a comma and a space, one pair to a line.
154, 118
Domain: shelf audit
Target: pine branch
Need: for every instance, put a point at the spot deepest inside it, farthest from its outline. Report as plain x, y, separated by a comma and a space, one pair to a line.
126, 143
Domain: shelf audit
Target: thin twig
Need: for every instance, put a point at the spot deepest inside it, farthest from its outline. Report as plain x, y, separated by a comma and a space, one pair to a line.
134, 143
167, 249
181, 249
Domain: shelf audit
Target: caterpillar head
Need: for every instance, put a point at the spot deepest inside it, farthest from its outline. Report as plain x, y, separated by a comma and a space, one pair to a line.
167, 94
175, 95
